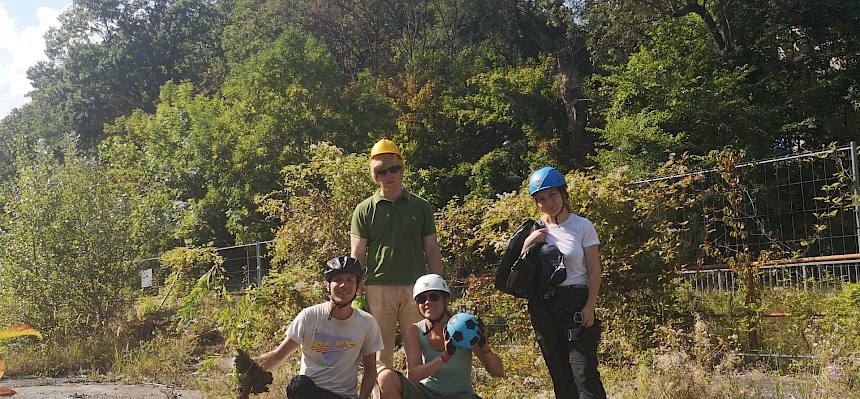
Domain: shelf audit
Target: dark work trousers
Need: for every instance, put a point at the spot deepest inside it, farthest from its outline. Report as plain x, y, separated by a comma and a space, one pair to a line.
572, 362
303, 387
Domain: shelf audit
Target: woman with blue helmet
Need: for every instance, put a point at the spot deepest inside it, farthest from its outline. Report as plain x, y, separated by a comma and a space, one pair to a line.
563, 319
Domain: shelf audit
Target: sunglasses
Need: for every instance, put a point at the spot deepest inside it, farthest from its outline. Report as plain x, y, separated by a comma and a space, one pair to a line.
392, 170
433, 297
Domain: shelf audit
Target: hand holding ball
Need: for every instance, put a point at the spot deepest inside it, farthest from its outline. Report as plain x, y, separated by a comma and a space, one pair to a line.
464, 330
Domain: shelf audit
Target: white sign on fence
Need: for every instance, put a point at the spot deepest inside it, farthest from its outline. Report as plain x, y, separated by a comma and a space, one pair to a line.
146, 278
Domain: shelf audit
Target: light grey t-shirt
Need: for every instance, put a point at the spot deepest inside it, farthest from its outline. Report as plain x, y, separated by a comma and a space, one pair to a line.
332, 349
571, 237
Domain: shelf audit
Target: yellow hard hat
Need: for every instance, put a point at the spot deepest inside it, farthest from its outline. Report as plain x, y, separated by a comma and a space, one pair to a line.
385, 146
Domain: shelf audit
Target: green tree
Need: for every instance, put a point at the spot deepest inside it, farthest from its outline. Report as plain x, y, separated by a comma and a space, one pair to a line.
809, 52
252, 26
69, 237
109, 57
217, 154
782, 74
520, 104
28, 130
185, 146
675, 95
386, 36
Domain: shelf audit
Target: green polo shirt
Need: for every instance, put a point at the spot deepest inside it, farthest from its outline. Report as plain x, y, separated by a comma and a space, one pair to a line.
395, 234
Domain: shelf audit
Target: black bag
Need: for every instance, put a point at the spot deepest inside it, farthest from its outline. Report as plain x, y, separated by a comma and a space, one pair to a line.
512, 254
534, 272
549, 268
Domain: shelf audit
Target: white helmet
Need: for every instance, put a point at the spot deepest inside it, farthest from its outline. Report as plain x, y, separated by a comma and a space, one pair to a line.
430, 282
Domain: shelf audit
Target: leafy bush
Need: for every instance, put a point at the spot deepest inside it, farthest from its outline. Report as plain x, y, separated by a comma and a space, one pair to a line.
836, 337
456, 229
498, 171
190, 274
315, 206
641, 250
69, 235
505, 316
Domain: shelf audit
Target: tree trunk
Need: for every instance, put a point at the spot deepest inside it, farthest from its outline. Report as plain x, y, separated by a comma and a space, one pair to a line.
720, 28
751, 303
571, 71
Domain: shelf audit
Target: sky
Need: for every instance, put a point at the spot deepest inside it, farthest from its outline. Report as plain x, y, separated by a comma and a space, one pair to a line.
22, 26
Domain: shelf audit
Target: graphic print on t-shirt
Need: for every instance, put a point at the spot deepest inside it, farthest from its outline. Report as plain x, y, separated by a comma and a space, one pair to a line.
330, 345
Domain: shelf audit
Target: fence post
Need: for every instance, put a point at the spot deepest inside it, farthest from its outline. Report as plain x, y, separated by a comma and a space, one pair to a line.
259, 266
719, 281
805, 281
855, 177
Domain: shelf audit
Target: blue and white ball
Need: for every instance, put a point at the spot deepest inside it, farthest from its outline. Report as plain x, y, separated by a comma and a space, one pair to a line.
463, 330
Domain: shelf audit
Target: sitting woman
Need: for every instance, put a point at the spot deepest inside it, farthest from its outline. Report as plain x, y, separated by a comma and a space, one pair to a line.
435, 368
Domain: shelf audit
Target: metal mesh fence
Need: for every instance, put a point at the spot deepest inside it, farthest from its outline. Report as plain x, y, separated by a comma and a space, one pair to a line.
820, 273
783, 213
244, 266
787, 209
782, 208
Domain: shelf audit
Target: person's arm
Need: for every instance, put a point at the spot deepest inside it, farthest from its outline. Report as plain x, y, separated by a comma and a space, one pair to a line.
272, 359
539, 235
592, 266
358, 233
416, 369
358, 249
491, 361
433, 254
369, 379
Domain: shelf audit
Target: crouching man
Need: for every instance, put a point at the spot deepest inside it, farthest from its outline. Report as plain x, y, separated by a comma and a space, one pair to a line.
334, 337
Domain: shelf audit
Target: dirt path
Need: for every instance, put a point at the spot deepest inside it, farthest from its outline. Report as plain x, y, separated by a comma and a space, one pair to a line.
64, 388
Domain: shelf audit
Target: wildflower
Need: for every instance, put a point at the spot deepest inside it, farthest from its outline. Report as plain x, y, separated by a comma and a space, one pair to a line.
836, 373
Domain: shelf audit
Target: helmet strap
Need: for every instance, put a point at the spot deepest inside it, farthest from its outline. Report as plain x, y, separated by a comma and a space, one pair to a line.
564, 206
432, 323
335, 305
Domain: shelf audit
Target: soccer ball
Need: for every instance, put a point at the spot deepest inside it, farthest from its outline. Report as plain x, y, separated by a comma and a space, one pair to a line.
463, 330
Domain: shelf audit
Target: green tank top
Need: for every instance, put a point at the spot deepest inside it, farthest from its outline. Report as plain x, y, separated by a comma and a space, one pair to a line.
455, 377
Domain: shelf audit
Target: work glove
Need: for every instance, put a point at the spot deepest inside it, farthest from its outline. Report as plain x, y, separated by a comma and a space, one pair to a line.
483, 334
252, 377
449, 349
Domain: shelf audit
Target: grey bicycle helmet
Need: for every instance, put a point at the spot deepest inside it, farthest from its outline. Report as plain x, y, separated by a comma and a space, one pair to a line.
342, 264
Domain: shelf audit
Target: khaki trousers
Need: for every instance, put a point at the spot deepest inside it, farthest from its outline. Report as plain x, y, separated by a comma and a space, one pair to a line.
391, 305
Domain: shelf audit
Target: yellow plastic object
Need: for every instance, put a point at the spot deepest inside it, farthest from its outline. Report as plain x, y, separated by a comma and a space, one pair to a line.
8, 333
385, 146
18, 331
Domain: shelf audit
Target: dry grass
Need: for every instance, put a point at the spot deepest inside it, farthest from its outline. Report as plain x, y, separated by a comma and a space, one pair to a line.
683, 380
666, 373
688, 363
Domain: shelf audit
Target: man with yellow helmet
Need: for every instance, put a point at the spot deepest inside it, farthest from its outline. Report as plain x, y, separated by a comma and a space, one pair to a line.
393, 233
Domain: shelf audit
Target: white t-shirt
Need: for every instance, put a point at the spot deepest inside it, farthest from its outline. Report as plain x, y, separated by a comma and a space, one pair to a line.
332, 349
571, 237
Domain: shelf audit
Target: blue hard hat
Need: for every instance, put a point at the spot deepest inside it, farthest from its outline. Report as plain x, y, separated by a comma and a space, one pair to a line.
544, 178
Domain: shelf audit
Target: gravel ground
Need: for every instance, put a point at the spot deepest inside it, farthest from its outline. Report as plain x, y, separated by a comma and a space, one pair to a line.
65, 388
